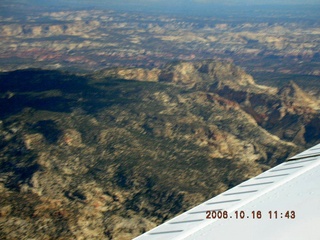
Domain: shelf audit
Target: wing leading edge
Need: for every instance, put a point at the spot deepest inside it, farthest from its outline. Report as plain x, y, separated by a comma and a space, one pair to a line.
281, 203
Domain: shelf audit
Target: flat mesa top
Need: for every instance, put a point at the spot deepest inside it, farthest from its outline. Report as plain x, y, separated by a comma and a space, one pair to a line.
281, 203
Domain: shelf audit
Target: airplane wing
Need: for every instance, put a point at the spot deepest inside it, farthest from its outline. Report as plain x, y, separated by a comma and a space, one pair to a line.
281, 203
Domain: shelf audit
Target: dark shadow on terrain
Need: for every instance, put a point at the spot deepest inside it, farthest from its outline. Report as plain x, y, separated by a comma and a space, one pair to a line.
22, 171
312, 131
34, 88
16, 103
32, 80
49, 129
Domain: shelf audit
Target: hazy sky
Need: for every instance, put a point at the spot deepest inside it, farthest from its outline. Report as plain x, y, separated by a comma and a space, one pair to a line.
214, 1
173, 6
234, 1
251, 2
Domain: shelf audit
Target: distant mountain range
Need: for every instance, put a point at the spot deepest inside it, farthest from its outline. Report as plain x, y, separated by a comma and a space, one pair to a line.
111, 154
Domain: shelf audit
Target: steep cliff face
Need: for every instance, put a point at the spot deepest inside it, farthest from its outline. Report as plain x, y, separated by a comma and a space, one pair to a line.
186, 73
97, 157
283, 112
204, 71
293, 95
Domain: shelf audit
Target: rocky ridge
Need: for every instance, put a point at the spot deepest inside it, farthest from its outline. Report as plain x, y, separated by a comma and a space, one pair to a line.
93, 157
269, 106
